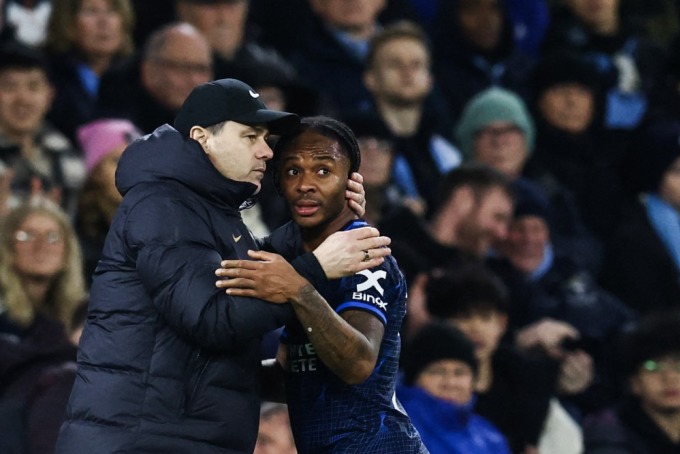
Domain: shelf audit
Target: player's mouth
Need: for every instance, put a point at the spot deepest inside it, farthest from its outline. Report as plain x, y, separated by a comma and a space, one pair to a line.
306, 207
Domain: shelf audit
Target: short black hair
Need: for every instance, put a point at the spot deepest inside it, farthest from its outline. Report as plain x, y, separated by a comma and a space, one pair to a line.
328, 127
477, 176
655, 335
468, 289
14, 55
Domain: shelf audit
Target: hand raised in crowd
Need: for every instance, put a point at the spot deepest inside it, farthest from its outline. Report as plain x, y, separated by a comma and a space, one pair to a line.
54, 194
548, 335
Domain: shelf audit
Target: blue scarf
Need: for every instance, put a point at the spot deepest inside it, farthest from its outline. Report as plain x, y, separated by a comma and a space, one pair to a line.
546, 263
666, 222
89, 79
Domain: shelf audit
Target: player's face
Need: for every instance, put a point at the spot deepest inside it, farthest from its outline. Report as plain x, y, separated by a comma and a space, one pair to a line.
448, 379
313, 177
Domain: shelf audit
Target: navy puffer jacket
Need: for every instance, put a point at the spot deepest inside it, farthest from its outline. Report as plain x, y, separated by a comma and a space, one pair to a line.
167, 362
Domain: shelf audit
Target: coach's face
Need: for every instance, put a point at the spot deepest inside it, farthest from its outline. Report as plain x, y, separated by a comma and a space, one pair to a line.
239, 152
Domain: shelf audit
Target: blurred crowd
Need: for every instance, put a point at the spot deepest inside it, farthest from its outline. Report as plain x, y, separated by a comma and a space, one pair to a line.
523, 156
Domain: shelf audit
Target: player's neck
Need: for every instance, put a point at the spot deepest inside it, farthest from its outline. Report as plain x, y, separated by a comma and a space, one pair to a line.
312, 237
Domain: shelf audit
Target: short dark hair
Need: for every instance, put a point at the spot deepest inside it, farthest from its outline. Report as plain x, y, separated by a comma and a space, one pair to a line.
479, 177
655, 335
465, 290
328, 127
216, 128
14, 55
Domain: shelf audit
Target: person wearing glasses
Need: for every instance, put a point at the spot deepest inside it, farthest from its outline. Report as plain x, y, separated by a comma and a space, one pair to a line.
149, 90
647, 420
41, 285
40, 267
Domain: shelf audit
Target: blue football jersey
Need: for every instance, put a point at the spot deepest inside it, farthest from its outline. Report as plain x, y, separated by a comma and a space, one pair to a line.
328, 415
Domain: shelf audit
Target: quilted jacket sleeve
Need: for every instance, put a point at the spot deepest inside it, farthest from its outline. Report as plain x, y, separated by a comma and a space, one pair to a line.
176, 262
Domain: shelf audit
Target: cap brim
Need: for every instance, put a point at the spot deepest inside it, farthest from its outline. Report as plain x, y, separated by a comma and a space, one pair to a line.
278, 123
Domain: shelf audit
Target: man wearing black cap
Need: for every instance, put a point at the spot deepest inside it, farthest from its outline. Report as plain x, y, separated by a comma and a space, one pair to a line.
167, 362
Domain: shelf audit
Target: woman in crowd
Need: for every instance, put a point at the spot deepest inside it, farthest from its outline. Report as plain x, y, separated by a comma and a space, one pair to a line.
84, 39
41, 284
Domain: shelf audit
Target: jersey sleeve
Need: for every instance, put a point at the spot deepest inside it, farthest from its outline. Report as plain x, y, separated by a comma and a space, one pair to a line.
370, 291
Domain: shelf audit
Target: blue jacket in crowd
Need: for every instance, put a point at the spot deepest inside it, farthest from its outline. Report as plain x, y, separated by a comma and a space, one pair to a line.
447, 428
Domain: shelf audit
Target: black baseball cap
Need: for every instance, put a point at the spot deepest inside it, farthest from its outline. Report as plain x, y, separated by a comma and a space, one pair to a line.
230, 100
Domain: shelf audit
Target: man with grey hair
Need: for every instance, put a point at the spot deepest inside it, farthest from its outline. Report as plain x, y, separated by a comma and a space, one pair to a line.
149, 89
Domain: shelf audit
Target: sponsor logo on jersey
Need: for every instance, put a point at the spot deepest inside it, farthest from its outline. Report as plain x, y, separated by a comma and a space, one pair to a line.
372, 278
375, 300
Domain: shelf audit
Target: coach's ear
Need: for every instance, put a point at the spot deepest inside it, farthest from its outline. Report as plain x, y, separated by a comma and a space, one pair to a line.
200, 135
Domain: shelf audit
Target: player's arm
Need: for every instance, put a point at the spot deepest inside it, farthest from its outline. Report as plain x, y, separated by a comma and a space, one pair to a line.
348, 344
